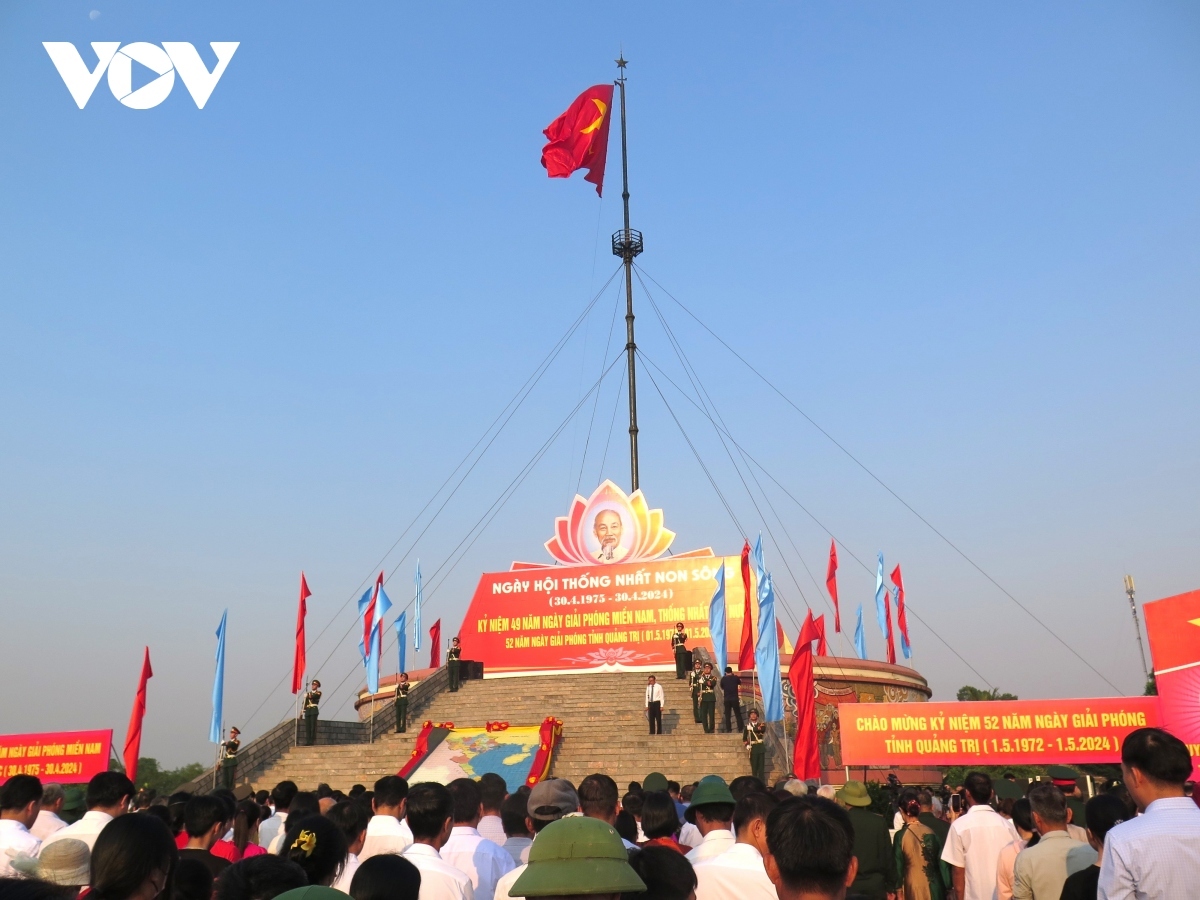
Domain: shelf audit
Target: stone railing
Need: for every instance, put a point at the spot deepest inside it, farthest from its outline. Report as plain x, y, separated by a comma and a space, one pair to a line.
258, 755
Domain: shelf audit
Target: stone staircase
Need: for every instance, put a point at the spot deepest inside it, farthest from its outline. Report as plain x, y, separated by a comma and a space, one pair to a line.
604, 730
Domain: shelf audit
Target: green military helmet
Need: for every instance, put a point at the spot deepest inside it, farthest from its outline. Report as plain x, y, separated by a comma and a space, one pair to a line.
854, 793
711, 789
655, 781
575, 856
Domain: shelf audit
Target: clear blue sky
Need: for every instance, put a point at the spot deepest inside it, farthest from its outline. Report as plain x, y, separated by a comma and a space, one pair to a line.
251, 339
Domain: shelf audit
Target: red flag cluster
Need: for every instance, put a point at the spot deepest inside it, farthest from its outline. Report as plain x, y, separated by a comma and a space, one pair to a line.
807, 762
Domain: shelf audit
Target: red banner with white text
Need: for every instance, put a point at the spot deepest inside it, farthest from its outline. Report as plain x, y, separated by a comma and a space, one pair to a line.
66, 757
997, 732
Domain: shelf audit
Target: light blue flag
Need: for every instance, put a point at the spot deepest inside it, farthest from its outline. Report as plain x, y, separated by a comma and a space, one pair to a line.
401, 639
218, 695
860, 639
417, 612
766, 654
716, 622
370, 654
881, 598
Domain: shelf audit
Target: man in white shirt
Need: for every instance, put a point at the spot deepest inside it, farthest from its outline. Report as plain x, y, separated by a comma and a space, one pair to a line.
1155, 856
739, 872
484, 861
108, 796
351, 819
494, 791
276, 825
20, 801
810, 850
654, 704
517, 832
549, 801
431, 818
975, 840
48, 821
711, 811
387, 832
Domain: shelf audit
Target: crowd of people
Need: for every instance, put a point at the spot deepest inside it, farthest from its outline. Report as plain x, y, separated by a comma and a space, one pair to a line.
710, 840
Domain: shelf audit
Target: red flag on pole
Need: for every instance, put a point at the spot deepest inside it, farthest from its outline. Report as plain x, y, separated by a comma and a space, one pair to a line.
133, 737
891, 632
831, 584
299, 661
901, 613
435, 644
822, 644
579, 137
806, 760
746, 647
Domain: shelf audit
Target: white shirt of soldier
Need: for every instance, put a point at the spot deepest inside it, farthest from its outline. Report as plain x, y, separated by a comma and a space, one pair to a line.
47, 823
712, 844
271, 828
483, 861
654, 693
1155, 856
15, 839
86, 829
737, 874
504, 885
385, 834
439, 879
343, 880
974, 844
492, 828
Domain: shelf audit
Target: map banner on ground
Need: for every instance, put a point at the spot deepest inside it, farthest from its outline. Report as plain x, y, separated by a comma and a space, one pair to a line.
471, 752
1173, 626
606, 616
66, 757
998, 732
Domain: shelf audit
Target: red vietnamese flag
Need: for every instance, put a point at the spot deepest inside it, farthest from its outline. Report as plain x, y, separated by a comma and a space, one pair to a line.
435, 645
891, 632
806, 760
300, 660
831, 584
579, 137
746, 646
133, 737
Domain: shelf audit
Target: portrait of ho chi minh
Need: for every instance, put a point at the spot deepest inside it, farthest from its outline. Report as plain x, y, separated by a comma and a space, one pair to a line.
608, 527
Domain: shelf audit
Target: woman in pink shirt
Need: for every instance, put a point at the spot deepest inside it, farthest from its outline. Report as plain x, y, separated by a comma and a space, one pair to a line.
245, 835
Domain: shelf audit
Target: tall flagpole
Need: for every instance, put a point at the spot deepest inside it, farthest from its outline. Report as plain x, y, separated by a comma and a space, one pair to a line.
627, 244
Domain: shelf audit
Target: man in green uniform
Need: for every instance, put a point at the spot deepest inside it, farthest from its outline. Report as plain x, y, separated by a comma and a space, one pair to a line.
578, 856
229, 759
940, 827
708, 699
694, 679
312, 703
872, 845
752, 737
679, 648
402, 703
452, 663
1067, 781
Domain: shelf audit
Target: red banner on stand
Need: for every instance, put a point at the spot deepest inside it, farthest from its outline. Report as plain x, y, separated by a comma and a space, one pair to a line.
997, 733
66, 757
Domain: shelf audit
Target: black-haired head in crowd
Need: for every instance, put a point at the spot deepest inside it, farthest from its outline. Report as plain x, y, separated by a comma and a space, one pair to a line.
317, 846
750, 816
598, 798
468, 801
492, 791
1154, 765
259, 878
245, 825
746, 784
626, 826
352, 818
305, 803
667, 874
513, 816
204, 820
390, 796
110, 792
430, 814
810, 849
133, 857
283, 794
660, 818
21, 799
978, 787
386, 877
33, 889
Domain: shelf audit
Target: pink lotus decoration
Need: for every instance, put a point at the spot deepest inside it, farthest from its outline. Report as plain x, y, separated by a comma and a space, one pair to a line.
640, 532
610, 656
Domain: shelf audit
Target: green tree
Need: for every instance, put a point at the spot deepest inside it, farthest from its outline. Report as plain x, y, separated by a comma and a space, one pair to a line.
163, 781
1151, 686
968, 692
